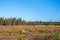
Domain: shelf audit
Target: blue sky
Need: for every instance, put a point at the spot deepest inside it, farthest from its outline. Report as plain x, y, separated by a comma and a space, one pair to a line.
31, 10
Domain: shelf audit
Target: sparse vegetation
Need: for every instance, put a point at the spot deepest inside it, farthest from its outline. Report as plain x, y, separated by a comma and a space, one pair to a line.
19, 21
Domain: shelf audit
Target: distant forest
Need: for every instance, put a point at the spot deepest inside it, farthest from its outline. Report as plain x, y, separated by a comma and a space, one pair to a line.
19, 21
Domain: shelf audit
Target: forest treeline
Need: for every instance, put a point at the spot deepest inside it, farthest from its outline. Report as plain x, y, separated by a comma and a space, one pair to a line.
19, 21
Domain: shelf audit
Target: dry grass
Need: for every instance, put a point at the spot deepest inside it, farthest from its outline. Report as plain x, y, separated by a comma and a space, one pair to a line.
25, 31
